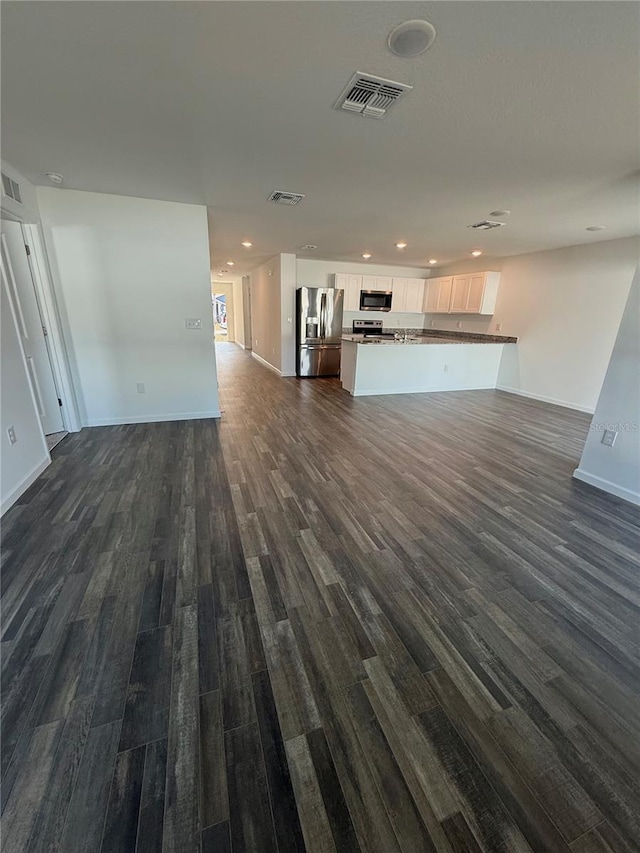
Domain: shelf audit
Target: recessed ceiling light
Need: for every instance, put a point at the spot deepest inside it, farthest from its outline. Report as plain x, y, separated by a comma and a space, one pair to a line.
247, 244
411, 38
596, 227
476, 253
230, 264
308, 247
366, 255
220, 273
55, 178
401, 245
433, 261
500, 213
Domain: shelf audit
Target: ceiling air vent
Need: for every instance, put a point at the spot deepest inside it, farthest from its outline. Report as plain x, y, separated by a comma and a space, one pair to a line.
486, 225
282, 197
369, 95
11, 188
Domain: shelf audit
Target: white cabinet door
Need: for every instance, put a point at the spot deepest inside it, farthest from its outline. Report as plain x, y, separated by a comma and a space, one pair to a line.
414, 297
438, 295
369, 282
351, 284
399, 298
460, 294
383, 282
476, 293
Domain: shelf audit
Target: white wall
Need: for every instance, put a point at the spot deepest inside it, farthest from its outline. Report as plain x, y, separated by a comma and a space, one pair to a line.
317, 273
565, 307
617, 469
266, 312
238, 310
288, 285
128, 271
23, 461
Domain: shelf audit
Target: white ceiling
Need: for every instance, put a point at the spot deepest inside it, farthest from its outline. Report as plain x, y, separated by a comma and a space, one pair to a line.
528, 106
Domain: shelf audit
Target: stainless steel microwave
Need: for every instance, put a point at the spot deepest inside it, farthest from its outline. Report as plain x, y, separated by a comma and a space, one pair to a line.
375, 300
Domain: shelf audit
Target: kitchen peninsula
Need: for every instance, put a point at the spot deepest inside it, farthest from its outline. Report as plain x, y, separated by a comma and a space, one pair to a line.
421, 362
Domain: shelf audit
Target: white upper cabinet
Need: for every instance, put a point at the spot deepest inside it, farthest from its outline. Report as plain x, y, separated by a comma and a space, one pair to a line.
408, 296
408, 293
437, 298
471, 293
352, 285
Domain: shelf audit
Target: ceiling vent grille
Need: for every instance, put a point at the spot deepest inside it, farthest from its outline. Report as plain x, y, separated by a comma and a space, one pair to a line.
369, 95
11, 188
486, 225
282, 197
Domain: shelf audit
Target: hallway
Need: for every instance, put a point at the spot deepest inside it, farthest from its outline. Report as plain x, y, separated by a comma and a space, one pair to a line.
322, 623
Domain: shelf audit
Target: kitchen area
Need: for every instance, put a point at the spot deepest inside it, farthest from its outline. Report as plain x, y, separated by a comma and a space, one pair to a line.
371, 358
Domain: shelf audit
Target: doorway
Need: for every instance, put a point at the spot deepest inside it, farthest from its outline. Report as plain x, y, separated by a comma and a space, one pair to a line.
32, 329
223, 312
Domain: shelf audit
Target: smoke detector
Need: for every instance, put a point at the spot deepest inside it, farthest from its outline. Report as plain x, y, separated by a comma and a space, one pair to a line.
284, 197
411, 38
308, 247
369, 95
486, 225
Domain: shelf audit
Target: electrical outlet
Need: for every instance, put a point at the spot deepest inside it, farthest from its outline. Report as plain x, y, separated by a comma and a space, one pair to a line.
12, 435
446, 368
141, 388
609, 437
498, 327
193, 323
459, 324
432, 323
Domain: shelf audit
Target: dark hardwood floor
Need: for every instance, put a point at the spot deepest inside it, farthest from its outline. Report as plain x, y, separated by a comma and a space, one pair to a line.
323, 624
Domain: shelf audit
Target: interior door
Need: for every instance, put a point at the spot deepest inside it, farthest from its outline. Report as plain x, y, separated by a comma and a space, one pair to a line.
30, 327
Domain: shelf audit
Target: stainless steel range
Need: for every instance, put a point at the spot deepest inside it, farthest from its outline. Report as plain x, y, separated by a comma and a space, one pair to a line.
371, 329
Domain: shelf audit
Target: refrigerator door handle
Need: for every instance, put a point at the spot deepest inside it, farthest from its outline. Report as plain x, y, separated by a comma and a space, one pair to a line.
323, 312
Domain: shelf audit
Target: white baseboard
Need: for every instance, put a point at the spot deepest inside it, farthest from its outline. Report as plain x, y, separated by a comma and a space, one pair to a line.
265, 362
607, 486
564, 403
150, 419
22, 487
385, 391
238, 344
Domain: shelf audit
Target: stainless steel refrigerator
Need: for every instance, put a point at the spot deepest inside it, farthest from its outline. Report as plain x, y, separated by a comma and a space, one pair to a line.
318, 331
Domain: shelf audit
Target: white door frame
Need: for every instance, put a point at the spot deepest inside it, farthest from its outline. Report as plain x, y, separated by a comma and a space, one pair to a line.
45, 296
43, 283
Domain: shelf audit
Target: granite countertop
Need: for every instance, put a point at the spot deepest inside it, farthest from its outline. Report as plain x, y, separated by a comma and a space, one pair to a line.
421, 340
432, 336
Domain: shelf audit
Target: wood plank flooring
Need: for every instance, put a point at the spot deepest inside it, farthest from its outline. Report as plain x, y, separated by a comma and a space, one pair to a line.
324, 624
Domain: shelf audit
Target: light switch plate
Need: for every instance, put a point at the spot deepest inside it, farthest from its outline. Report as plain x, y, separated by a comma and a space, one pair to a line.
193, 323
609, 437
